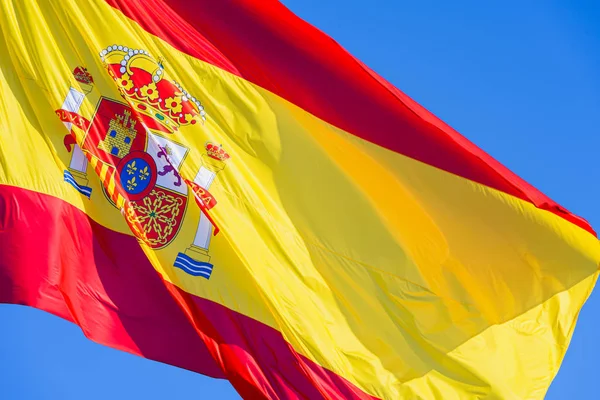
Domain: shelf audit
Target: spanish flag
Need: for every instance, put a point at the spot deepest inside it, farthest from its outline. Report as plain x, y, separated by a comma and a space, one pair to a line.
217, 185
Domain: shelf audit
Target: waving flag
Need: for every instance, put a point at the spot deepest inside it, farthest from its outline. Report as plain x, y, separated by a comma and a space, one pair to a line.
219, 186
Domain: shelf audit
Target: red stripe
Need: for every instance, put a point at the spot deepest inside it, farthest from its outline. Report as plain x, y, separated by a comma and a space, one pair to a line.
57, 259
263, 42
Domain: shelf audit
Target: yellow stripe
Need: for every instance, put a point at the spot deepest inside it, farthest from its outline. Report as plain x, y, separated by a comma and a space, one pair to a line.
103, 172
404, 279
111, 187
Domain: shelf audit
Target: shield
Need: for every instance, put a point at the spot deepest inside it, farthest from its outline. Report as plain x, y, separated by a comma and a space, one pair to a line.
143, 164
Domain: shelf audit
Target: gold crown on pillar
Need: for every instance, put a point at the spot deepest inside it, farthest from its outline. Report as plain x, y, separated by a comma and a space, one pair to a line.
216, 152
82, 75
162, 103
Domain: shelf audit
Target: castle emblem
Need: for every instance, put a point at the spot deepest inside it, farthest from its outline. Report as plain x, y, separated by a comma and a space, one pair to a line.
120, 135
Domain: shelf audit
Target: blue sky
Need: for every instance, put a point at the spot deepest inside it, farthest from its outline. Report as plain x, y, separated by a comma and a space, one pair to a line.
517, 78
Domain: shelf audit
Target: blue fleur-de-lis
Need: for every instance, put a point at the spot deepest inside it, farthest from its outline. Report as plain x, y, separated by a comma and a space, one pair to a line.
131, 184
131, 168
144, 173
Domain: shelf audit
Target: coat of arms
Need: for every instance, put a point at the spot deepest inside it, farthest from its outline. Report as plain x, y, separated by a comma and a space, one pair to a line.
128, 142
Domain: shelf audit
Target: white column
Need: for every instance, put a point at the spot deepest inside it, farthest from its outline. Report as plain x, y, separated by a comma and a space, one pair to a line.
72, 102
204, 178
78, 164
196, 259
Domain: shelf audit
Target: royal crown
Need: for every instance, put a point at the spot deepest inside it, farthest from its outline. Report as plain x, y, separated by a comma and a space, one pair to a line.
162, 103
216, 152
82, 75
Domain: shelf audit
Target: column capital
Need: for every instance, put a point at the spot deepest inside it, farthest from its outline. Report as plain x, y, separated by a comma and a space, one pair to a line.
212, 164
